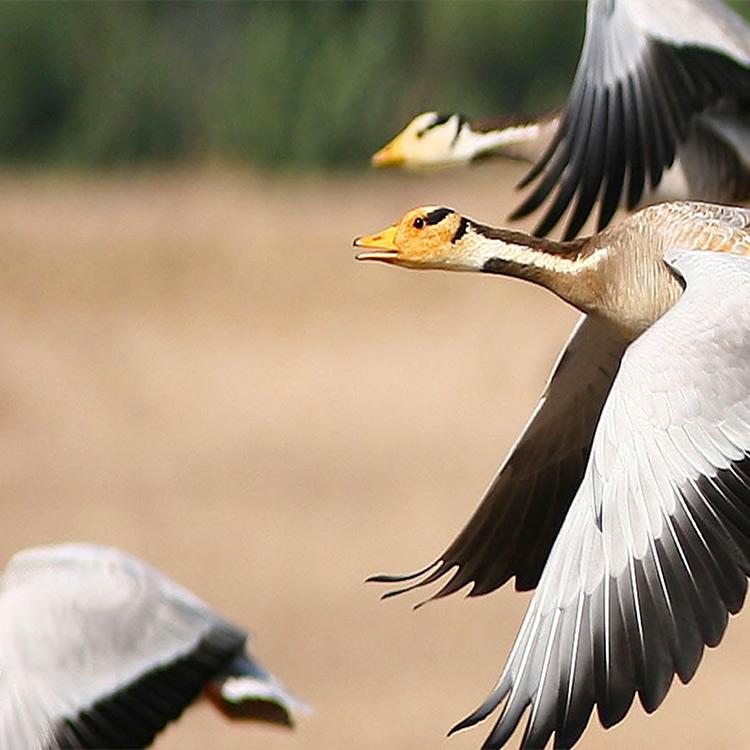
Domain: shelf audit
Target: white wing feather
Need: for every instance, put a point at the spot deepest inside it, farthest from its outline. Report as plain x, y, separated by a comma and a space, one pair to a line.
655, 549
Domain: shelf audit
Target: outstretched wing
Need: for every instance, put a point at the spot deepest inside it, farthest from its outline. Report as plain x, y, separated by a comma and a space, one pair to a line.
97, 649
655, 549
646, 69
515, 525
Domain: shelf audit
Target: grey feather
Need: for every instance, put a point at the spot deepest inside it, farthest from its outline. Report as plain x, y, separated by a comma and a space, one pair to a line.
627, 604
98, 649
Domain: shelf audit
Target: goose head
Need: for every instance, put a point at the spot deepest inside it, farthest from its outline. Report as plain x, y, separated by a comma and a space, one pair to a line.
426, 237
429, 140
435, 237
440, 237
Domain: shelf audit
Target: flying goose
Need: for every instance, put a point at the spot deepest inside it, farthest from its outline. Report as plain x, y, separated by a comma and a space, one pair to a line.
99, 650
433, 140
626, 500
660, 101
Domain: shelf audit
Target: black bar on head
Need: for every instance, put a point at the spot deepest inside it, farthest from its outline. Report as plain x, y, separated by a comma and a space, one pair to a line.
436, 216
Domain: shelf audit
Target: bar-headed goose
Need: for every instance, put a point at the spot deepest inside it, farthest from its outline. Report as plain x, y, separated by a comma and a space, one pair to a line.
99, 650
660, 100
432, 140
626, 500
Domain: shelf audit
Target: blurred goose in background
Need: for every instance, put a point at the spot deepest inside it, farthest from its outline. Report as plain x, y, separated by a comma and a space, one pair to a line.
99, 650
626, 500
660, 100
432, 140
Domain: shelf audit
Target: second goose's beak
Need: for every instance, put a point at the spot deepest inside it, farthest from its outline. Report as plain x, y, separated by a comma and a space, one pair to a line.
382, 242
391, 155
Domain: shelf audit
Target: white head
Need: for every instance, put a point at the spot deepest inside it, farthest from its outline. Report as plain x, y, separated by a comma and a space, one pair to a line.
429, 140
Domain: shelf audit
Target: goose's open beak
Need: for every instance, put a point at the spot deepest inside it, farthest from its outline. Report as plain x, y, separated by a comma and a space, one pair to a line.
391, 155
382, 243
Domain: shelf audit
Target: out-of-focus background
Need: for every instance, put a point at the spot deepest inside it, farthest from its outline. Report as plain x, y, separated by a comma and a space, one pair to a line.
193, 368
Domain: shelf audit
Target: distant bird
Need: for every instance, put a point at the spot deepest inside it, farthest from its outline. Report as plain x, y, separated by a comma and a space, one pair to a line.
433, 140
626, 500
661, 99
99, 650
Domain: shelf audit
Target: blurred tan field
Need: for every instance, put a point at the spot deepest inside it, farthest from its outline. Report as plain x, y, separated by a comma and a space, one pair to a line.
193, 368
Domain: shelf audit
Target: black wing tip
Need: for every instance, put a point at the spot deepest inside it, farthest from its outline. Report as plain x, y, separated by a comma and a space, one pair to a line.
526, 180
519, 213
382, 578
492, 701
391, 594
547, 224
469, 721
406, 589
387, 578
421, 604
414, 580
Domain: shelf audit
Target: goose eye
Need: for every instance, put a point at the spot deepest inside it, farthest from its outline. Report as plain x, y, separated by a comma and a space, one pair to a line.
418, 222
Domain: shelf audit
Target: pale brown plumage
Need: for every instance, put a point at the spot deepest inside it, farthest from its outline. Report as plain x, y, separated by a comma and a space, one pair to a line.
617, 275
626, 500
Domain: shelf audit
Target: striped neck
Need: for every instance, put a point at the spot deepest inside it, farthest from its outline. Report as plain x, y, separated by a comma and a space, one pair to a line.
557, 266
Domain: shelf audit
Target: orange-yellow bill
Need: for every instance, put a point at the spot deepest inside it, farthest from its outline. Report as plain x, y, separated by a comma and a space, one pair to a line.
382, 242
391, 155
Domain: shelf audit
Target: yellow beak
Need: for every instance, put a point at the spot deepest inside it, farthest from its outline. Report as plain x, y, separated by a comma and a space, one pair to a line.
391, 155
383, 241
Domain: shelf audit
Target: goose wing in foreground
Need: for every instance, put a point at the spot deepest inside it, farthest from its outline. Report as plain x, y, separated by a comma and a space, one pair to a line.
515, 525
655, 549
98, 649
646, 68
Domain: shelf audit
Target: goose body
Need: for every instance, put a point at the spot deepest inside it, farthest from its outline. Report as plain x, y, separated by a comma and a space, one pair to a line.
626, 500
658, 110
98, 649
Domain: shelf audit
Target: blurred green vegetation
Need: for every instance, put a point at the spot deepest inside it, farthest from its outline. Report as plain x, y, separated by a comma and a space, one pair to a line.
278, 84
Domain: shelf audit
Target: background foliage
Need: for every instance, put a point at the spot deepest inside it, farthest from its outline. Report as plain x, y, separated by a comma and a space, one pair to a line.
278, 84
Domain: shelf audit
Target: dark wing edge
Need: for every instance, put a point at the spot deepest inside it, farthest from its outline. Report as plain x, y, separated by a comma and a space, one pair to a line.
661, 612
712, 150
631, 125
515, 525
134, 714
